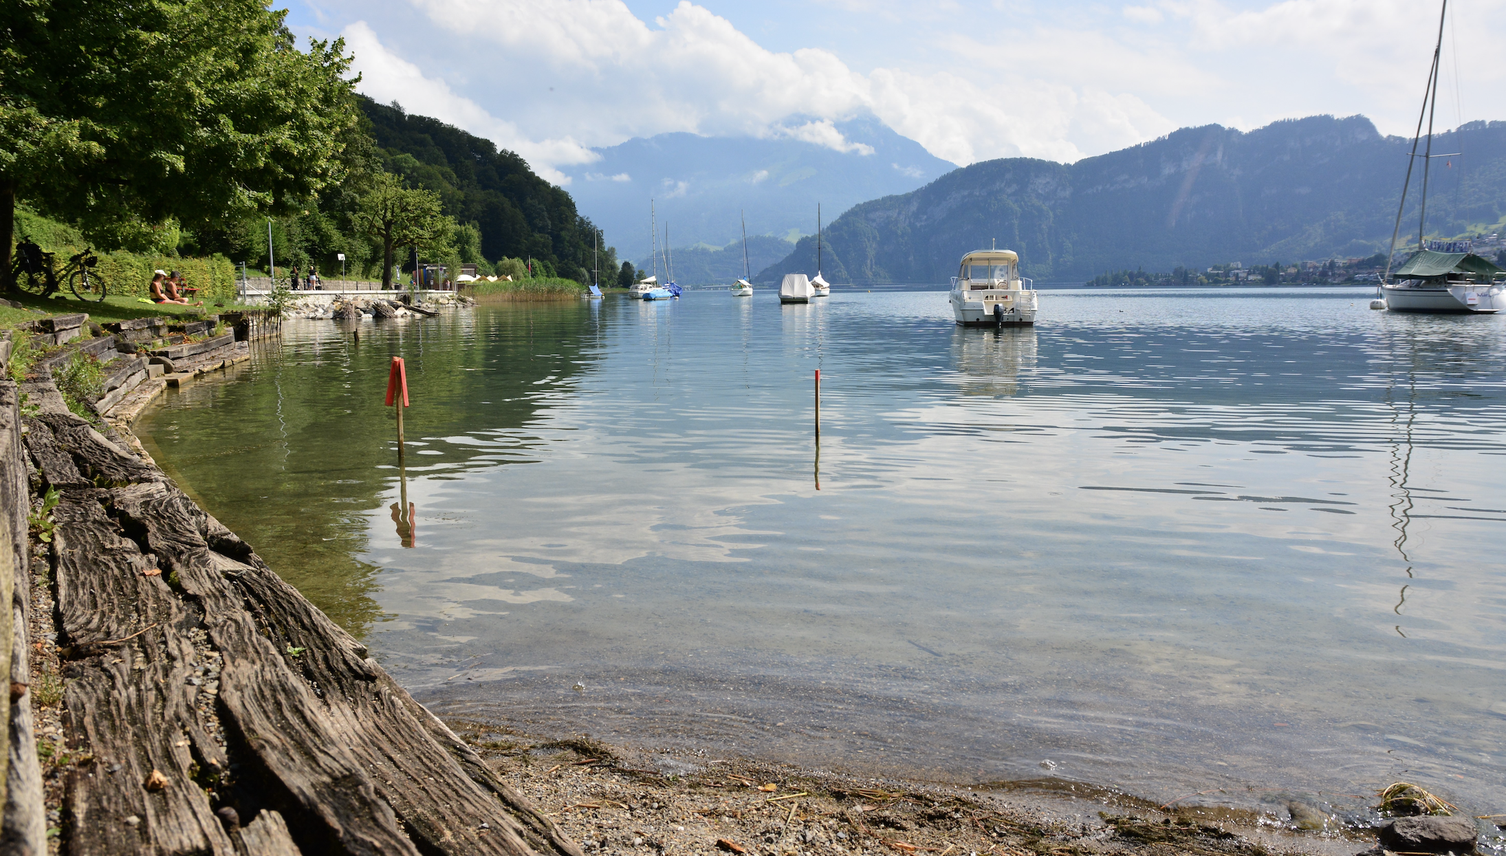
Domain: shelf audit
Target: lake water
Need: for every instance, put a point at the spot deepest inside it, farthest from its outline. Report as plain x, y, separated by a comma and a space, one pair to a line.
1242, 544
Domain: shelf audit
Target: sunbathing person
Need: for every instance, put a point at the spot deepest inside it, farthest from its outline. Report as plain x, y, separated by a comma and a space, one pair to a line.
170, 294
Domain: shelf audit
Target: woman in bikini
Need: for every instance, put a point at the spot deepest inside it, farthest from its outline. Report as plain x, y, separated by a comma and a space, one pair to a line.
159, 282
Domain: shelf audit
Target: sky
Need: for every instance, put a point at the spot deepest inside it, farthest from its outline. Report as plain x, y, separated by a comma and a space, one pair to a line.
970, 81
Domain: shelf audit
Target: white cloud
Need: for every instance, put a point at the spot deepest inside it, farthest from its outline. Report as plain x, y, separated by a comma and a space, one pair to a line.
911, 171
758, 176
386, 77
822, 133
596, 176
550, 78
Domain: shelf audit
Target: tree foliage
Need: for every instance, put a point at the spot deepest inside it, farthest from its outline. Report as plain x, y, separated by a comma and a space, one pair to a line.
124, 115
395, 215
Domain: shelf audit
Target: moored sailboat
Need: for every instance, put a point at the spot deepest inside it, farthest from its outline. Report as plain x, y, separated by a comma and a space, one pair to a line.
819, 286
743, 288
1441, 276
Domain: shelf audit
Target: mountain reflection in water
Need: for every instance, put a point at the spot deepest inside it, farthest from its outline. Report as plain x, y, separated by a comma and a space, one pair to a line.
1180, 541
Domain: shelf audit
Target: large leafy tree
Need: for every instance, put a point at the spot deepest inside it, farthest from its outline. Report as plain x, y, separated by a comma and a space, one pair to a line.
120, 112
398, 216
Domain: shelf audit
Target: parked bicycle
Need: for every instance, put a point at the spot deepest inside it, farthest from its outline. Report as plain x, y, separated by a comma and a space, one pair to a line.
34, 270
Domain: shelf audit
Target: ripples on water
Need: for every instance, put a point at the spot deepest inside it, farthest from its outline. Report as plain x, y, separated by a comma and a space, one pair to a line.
1248, 542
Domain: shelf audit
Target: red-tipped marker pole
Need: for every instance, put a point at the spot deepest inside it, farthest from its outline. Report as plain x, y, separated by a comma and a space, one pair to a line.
397, 381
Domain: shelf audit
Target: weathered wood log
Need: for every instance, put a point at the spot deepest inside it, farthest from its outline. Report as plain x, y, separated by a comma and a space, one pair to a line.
322, 748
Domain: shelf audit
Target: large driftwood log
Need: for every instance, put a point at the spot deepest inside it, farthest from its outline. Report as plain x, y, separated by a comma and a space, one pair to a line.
297, 729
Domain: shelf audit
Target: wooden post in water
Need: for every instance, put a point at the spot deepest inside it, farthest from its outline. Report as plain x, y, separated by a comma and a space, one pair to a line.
397, 381
818, 405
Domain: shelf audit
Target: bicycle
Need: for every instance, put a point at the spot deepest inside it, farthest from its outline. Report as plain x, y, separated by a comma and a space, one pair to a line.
34, 271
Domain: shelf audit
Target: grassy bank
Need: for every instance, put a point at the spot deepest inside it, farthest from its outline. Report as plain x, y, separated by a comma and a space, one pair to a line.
527, 289
114, 308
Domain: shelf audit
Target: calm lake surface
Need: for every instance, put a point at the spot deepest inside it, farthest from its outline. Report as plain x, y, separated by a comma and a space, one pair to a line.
1248, 543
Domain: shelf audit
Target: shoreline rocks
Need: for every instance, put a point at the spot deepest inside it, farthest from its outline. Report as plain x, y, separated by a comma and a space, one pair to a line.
343, 307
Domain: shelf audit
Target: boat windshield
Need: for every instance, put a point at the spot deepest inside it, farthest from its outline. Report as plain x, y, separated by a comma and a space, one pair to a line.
983, 271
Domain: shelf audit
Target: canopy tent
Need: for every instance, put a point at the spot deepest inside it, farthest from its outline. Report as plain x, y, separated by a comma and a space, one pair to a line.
465, 277
1431, 263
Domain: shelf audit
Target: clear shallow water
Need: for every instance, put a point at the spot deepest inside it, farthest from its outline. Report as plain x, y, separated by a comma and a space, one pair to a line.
1245, 543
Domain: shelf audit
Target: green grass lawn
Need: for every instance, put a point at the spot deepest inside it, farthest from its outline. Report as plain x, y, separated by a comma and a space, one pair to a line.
121, 308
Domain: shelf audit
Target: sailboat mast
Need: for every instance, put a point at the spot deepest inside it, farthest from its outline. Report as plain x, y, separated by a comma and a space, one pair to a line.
1427, 161
595, 262
653, 238
1427, 96
818, 239
669, 271
744, 219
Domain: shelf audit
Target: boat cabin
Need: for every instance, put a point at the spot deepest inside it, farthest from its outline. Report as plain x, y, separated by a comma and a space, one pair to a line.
982, 270
1436, 267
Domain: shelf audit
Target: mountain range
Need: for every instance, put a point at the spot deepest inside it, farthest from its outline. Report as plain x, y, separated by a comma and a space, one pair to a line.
700, 185
1297, 189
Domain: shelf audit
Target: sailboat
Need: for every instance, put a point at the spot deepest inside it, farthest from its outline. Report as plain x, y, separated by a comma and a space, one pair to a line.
669, 265
819, 286
1442, 276
648, 287
743, 288
593, 292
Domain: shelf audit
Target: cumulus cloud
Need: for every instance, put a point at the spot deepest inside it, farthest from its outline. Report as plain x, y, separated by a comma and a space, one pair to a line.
822, 133
387, 77
552, 78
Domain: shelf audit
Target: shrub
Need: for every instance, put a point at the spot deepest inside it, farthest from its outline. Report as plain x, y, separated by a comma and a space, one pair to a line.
81, 380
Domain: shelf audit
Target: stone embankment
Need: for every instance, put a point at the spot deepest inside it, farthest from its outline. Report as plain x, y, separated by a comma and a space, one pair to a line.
169, 692
333, 305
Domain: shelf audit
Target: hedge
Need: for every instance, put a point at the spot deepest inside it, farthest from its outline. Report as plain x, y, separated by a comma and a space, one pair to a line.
129, 273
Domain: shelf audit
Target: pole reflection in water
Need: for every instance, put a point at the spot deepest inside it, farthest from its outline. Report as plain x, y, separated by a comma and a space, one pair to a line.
1400, 508
403, 513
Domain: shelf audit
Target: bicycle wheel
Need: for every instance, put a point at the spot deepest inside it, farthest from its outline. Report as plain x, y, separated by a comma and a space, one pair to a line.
84, 284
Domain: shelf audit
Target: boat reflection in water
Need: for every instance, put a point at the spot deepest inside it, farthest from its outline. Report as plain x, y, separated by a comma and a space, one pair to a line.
991, 362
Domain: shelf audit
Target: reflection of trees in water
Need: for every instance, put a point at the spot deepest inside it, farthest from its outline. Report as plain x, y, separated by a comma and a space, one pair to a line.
296, 452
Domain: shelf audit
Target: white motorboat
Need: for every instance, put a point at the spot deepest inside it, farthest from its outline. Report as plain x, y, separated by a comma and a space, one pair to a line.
1441, 276
988, 291
795, 288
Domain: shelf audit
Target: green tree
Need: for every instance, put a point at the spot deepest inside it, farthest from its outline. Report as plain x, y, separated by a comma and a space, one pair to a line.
397, 216
627, 276
125, 114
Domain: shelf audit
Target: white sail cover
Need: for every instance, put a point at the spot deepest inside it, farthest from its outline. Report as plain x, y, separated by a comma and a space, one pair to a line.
795, 286
818, 282
649, 280
744, 283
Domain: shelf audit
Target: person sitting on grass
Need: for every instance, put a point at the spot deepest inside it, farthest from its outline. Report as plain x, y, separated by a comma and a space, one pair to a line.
177, 286
161, 282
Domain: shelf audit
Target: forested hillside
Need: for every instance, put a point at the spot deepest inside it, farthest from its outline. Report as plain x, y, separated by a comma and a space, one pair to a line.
1298, 189
517, 214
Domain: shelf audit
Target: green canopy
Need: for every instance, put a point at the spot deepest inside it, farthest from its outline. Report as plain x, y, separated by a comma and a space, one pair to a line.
1430, 263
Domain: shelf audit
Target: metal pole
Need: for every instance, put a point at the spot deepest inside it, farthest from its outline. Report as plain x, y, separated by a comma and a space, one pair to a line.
271, 265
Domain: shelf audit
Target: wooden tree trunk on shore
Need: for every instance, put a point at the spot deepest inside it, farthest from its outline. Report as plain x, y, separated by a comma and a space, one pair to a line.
217, 710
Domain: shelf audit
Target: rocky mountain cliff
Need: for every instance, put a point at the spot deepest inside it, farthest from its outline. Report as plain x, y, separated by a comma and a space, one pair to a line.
1296, 189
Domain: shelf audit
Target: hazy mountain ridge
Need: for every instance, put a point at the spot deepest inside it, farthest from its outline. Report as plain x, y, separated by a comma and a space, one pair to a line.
1296, 189
711, 266
700, 185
